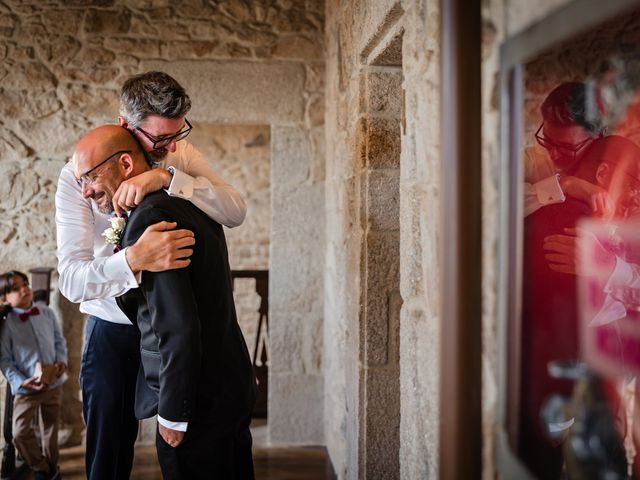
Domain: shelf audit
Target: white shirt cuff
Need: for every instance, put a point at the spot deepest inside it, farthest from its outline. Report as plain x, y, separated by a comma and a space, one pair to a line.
179, 426
549, 191
181, 184
117, 268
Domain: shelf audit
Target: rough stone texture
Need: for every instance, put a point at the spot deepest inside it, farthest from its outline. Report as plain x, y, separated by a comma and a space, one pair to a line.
379, 142
72, 329
63, 63
389, 53
362, 300
295, 314
379, 94
420, 224
341, 294
241, 155
288, 427
235, 88
382, 200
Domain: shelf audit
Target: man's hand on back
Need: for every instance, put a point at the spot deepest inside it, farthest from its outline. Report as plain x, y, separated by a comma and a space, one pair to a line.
131, 192
161, 248
172, 437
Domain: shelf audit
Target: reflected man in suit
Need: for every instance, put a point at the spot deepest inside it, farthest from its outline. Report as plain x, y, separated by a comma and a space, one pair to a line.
550, 327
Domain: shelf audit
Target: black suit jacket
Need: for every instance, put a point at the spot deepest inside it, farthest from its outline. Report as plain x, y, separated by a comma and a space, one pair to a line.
195, 363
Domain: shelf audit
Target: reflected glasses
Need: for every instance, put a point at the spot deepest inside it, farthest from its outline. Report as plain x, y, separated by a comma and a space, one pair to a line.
161, 142
87, 178
564, 149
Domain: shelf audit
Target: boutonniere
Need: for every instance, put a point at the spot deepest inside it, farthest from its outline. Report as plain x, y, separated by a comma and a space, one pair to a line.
113, 234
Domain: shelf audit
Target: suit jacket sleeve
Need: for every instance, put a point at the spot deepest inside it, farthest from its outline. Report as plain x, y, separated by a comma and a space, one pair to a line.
175, 322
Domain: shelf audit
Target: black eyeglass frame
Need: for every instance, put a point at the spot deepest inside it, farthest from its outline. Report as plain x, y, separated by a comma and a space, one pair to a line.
569, 149
159, 143
85, 178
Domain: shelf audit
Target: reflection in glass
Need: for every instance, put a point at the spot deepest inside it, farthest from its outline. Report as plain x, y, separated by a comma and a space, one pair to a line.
577, 406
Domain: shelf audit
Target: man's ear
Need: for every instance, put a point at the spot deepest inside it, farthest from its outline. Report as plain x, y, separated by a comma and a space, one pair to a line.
603, 174
123, 122
127, 164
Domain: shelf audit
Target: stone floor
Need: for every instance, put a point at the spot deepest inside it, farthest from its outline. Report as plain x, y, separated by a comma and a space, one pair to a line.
292, 463
309, 463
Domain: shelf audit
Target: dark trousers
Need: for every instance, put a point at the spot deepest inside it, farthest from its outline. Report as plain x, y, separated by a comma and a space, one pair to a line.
108, 373
204, 455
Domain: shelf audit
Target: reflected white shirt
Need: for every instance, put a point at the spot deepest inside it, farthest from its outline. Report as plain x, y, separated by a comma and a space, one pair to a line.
541, 185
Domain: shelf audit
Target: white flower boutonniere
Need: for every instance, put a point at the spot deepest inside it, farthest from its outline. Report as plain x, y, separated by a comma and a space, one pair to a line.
114, 232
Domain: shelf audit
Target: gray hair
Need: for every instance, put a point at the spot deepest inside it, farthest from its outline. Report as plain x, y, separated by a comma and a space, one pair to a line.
152, 93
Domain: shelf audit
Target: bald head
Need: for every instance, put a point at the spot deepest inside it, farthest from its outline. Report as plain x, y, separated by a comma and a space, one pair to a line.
100, 143
103, 159
613, 163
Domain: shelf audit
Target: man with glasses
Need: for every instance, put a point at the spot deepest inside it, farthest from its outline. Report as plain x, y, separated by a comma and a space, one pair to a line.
153, 108
196, 368
569, 128
552, 315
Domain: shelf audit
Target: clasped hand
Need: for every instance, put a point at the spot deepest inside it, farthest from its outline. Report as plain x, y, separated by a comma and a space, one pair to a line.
593, 195
132, 191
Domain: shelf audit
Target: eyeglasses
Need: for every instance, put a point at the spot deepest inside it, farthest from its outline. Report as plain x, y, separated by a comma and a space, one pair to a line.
564, 149
163, 141
86, 176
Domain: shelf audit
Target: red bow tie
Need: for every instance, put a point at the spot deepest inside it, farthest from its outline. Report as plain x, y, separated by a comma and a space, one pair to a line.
32, 311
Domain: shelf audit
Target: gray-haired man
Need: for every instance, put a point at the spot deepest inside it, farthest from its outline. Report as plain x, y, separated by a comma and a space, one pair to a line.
153, 108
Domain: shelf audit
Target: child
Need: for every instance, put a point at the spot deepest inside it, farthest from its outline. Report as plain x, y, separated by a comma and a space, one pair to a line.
33, 357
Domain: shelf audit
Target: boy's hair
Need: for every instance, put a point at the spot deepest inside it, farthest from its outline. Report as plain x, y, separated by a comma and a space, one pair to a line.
567, 105
6, 281
152, 93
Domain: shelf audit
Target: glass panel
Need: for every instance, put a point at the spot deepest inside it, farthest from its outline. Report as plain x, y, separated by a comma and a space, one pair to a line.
576, 409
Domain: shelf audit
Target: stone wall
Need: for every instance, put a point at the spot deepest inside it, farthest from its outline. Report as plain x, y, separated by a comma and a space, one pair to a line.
241, 155
420, 243
248, 63
382, 242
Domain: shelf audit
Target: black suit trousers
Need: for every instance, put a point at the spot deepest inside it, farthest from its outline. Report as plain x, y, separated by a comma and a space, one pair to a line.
205, 455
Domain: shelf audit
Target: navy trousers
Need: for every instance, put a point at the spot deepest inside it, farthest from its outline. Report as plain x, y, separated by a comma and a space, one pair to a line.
108, 373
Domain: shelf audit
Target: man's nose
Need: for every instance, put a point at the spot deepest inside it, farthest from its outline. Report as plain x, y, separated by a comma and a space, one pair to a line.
87, 191
172, 146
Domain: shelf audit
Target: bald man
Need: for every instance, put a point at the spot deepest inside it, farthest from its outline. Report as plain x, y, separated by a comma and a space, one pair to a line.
154, 108
196, 374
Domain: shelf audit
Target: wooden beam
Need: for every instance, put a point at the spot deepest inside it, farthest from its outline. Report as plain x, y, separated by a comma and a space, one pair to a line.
461, 330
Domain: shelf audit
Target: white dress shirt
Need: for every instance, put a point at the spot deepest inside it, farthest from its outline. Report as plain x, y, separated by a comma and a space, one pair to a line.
541, 185
90, 273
